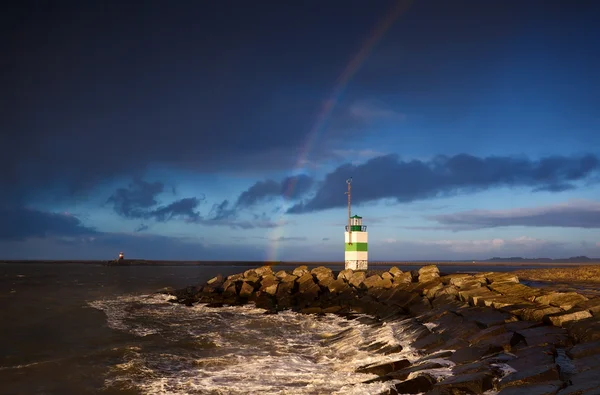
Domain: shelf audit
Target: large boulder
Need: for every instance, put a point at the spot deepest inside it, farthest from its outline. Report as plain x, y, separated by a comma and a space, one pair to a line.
264, 270
428, 273
357, 280
394, 271
300, 271
345, 275
564, 300
321, 273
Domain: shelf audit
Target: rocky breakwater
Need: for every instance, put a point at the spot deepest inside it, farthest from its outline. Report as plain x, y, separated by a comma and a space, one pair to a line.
492, 332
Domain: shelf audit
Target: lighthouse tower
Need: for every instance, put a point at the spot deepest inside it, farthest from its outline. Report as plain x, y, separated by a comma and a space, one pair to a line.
356, 238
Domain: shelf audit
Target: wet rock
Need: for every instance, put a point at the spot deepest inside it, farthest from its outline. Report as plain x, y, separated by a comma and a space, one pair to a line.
216, 281
487, 333
311, 310
532, 356
589, 362
337, 286
230, 290
499, 302
472, 353
584, 349
394, 271
564, 300
474, 383
246, 289
545, 335
520, 325
583, 383
586, 330
549, 388
484, 317
417, 385
384, 368
532, 375
561, 318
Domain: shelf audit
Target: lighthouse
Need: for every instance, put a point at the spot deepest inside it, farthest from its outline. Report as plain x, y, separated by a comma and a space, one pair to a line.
356, 238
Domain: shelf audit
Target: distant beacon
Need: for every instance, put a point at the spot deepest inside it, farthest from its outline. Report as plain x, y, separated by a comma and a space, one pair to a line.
356, 238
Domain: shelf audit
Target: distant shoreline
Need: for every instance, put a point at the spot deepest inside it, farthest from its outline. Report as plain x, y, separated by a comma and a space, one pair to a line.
147, 262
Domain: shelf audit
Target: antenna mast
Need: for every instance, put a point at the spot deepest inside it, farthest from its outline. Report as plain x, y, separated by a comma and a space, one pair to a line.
349, 193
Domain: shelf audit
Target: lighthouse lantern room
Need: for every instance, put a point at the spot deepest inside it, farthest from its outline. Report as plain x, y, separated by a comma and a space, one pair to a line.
356, 238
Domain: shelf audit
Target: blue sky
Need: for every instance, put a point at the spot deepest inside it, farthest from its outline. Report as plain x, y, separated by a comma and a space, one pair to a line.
226, 131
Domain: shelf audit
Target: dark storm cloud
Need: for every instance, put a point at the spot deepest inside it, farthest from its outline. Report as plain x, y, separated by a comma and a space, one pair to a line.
407, 181
23, 223
289, 188
139, 201
575, 214
141, 228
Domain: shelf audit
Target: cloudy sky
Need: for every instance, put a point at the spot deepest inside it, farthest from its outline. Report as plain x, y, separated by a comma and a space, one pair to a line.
227, 129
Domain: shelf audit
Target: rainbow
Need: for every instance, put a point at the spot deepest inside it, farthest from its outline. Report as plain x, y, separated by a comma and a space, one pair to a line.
329, 105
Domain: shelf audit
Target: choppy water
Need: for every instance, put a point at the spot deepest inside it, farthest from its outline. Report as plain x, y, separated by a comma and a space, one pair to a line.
78, 329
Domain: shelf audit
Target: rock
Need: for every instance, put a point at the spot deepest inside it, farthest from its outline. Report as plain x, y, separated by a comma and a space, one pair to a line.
560, 319
246, 290
515, 290
584, 349
548, 388
428, 273
300, 271
501, 278
305, 280
216, 281
545, 335
357, 280
285, 288
589, 362
417, 385
564, 300
281, 274
583, 383
290, 278
487, 333
484, 317
271, 289
532, 356
472, 353
394, 271
230, 290
322, 272
264, 270
235, 277
402, 279
591, 305
384, 368
586, 330
474, 383
373, 281
531, 375
337, 286
537, 313
447, 290
473, 295
387, 276
447, 279
345, 275
250, 273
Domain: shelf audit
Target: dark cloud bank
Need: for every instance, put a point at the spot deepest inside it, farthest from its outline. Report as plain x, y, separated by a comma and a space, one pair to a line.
389, 177
385, 177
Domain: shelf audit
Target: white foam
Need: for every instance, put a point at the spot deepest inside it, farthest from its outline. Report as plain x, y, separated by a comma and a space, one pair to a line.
239, 349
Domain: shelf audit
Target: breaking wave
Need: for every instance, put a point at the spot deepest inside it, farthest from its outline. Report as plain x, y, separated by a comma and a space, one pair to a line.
241, 350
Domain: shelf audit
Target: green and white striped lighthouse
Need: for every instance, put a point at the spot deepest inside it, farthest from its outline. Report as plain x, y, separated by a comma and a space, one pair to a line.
356, 239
